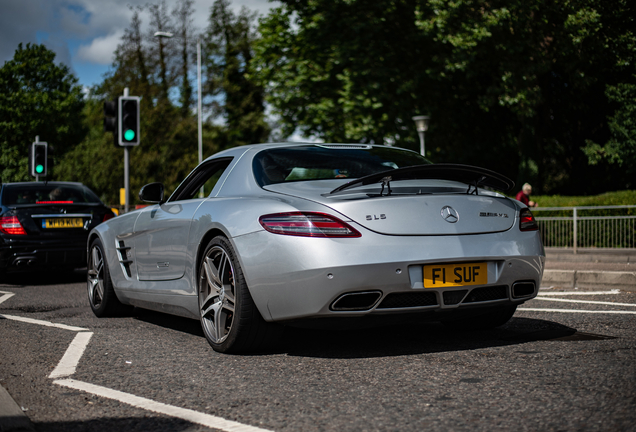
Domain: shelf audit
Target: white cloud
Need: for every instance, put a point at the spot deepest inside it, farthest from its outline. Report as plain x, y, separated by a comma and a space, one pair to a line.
101, 49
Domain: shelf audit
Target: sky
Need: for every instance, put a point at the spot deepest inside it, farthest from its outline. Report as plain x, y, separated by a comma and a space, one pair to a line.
84, 33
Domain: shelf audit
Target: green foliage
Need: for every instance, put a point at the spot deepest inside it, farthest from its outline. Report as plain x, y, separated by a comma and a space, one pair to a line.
237, 98
543, 91
343, 71
183, 16
619, 198
621, 147
37, 97
153, 68
96, 162
516, 86
625, 197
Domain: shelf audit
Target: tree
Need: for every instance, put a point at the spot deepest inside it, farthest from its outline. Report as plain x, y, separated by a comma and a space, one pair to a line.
516, 86
237, 97
540, 72
167, 151
160, 22
37, 97
95, 161
620, 149
344, 71
182, 14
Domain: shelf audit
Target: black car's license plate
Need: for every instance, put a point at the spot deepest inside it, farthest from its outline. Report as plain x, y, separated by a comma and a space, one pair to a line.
63, 223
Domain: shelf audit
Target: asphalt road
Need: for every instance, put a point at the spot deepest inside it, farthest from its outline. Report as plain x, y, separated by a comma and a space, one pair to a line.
557, 365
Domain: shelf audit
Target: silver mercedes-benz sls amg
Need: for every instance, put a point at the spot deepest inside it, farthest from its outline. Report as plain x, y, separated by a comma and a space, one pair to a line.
262, 236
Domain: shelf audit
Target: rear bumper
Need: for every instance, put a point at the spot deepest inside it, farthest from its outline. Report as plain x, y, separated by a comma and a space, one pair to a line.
294, 278
23, 255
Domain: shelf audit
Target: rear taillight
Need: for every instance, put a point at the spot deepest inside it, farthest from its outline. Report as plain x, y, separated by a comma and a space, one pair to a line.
108, 216
307, 225
527, 221
11, 225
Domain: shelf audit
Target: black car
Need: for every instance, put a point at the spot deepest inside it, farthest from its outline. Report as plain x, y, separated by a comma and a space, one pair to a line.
46, 224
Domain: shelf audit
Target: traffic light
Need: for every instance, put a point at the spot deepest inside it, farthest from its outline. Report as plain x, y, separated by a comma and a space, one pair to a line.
128, 121
110, 116
110, 119
38, 162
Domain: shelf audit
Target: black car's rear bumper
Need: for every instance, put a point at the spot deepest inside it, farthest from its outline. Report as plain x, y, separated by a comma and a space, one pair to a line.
24, 255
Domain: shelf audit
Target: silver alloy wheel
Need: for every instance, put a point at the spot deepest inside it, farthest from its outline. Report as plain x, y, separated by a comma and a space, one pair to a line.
95, 278
217, 294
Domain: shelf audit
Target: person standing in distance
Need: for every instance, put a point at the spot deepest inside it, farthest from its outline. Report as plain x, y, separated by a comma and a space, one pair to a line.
524, 195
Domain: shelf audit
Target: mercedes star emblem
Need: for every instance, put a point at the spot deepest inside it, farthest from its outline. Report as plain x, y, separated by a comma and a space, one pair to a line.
449, 214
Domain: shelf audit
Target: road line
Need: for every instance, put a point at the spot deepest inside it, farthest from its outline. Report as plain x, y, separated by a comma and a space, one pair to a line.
614, 291
72, 356
577, 311
585, 301
161, 408
7, 295
44, 323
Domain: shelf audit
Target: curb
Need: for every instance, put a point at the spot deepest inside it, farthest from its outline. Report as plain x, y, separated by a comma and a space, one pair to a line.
590, 258
11, 416
586, 279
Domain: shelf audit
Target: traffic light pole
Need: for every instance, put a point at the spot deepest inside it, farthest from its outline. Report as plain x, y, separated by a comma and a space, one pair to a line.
126, 177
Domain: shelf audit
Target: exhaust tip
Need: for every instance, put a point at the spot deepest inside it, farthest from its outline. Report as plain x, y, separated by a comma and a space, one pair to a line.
356, 301
523, 289
24, 261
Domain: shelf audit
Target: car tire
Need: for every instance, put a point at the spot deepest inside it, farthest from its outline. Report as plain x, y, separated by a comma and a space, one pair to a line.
230, 320
494, 318
101, 295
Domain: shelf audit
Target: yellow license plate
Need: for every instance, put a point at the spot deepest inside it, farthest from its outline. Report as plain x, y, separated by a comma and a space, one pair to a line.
455, 275
63, 223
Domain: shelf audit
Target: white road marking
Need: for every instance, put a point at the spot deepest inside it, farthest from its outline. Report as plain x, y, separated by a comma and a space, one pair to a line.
72, 356
585, 301
43, 323
6, 296
161, 408
566, 293
577, 311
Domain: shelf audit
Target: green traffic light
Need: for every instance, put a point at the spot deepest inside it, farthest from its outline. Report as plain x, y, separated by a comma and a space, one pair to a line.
39, 169
129, 135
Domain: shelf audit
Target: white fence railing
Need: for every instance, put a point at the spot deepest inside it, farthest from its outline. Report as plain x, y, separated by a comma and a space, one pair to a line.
587, 226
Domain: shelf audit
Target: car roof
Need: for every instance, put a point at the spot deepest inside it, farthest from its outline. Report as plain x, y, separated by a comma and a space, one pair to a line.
54, 183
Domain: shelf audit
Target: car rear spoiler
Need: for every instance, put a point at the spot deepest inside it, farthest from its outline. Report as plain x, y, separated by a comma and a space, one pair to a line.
474, 177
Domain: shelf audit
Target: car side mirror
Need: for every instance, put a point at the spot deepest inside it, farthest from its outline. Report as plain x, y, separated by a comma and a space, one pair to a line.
152, 193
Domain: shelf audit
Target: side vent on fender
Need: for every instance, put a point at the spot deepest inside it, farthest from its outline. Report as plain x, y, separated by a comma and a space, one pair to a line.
122, 253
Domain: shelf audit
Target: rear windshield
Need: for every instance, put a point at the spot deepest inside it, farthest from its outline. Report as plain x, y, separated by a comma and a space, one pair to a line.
41, 193
318, 162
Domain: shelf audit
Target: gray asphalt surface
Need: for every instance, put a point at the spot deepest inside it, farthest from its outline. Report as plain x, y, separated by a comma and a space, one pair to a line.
542, 371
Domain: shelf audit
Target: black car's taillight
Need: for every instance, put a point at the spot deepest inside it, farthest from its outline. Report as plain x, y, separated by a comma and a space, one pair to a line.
307, 225
11, 225
527, 221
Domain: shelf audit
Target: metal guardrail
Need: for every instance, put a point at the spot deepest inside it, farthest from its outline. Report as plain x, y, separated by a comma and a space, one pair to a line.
584, 227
